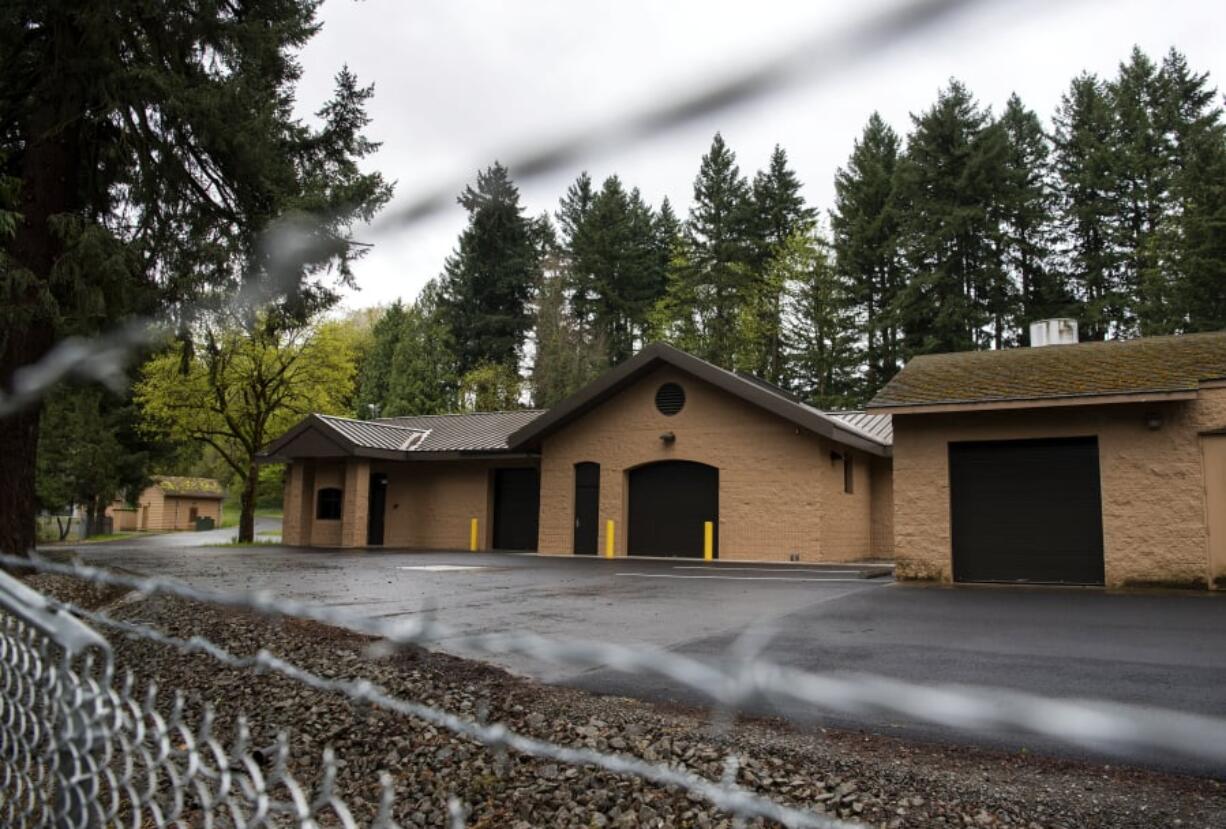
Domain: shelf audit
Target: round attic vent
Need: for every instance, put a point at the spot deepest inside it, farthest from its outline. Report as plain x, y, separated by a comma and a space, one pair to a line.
670, 399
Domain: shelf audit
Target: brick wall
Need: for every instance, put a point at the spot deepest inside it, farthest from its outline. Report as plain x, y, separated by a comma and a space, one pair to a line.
780, 493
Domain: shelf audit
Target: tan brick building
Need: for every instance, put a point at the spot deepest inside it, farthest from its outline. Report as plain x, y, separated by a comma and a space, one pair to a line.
639, 462
171, 502
1090, 463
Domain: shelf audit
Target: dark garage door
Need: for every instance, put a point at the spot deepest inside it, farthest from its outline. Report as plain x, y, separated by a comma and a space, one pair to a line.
669, 503
517, 508
1026, 510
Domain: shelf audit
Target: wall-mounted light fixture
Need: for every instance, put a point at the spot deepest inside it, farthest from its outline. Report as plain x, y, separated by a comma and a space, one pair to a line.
668, 437
1153, 420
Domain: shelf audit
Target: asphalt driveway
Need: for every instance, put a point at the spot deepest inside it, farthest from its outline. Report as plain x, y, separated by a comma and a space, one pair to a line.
1167, 650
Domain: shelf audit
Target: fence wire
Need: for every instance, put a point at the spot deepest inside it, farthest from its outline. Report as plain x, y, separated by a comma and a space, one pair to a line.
730, 686
79, 748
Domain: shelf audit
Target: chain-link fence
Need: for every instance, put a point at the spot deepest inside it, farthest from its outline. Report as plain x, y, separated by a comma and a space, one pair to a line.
81, 746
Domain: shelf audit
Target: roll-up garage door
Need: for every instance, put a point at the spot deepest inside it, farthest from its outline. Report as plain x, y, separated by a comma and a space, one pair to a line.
1026, 511
670, 501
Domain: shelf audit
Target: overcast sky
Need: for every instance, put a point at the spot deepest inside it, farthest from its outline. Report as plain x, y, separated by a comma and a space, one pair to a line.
459, 83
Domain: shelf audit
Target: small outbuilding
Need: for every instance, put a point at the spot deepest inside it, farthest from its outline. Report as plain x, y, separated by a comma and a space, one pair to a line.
1069, 463
171, 502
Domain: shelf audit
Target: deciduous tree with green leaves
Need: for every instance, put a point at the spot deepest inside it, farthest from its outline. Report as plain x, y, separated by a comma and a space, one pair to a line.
245, 384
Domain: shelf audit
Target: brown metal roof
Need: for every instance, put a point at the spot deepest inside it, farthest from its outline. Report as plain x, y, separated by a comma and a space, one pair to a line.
421, 437
374, 434
750, 389
477, 431
1148, 365
879, 426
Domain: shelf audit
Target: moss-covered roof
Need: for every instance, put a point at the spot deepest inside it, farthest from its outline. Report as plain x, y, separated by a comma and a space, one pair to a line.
1145, 365
183, 485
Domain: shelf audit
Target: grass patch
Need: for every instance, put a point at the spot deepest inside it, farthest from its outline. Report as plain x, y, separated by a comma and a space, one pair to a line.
259, 542
230, 509
268, 534
93, 539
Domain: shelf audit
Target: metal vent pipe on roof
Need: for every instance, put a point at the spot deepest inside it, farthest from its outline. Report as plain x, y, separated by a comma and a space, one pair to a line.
1058, 331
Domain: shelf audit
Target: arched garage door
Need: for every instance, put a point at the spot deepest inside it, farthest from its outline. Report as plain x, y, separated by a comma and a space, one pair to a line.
670, 501
1026, 510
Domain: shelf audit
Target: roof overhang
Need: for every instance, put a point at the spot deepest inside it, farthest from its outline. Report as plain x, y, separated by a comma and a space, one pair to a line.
1035, 403
659, 354
337, 446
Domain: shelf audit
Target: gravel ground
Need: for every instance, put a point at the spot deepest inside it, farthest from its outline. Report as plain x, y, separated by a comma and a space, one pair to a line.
875, 780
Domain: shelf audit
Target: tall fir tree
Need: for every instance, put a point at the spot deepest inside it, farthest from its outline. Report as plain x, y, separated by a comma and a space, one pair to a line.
959, 296
819, 326
423, 376
1194, 237
1142, 155
867, 243
778, 213
712, 283
1027, 206
487, 282
564, 356
143, 157
375, 374
1086, 166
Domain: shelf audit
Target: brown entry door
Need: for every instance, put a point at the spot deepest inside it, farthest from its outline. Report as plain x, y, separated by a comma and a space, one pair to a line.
587, 508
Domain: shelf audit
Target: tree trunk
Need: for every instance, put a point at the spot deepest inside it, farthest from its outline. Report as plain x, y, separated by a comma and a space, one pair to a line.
49, 187
246, 517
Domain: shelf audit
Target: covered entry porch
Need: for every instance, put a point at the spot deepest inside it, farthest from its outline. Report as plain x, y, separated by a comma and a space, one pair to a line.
376, 484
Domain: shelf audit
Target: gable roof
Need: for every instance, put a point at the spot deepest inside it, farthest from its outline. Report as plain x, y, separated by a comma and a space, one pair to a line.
1148, 367
184, 486
477, 431
749, 389
424, 437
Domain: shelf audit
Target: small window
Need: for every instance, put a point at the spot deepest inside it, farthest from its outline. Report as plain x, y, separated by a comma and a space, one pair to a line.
849, 474
670, 399
328, 504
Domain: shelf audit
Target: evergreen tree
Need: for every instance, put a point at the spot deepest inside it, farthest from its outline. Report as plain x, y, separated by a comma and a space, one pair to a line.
375, 373
709, 292
820, 332
487, 283
575, 242
91, 453
423, 374
1027, 203
146, 155
564, 359
1086, 166
1195, 231
778, 212
959, 296
867, 246
1142, 160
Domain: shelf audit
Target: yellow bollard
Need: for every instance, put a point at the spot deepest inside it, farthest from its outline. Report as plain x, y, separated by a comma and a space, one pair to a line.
608, 539
472, 536
708, 541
